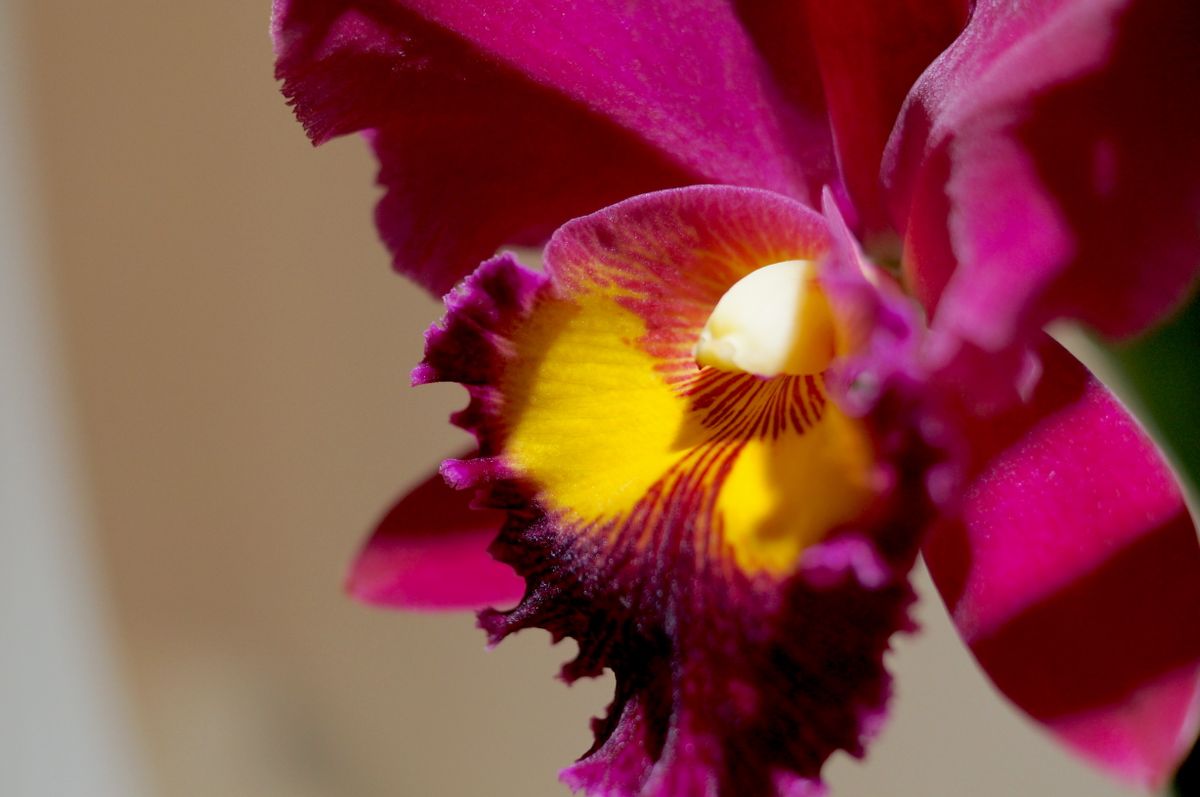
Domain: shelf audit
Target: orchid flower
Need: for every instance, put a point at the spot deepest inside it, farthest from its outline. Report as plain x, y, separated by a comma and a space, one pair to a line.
716, 431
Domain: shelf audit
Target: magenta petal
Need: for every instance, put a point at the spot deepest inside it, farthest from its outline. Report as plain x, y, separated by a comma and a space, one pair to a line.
494, 123
682, 76
460, 183
1046, 165
1074, 575
729, 681
430, 552
870, 53
472, 155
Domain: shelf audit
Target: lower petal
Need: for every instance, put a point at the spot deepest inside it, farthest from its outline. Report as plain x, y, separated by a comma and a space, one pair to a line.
1074, 575
431, 552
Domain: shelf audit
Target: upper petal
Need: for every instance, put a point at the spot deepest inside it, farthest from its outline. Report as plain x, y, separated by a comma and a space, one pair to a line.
1074, 575
1046, 166
495, 122
870, 53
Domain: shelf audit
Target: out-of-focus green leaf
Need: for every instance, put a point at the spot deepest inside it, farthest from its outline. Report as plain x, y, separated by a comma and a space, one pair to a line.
1161, 372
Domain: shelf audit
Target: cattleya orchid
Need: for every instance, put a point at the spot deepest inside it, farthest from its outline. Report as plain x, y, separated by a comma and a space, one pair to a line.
717, 429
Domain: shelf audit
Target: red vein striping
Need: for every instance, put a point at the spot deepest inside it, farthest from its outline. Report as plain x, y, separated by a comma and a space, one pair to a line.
748, 405
678, 512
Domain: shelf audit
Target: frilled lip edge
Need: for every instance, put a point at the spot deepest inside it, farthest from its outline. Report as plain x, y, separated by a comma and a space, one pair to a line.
726, 683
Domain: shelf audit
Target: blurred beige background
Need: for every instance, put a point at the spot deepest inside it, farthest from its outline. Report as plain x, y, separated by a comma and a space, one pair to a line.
236, 353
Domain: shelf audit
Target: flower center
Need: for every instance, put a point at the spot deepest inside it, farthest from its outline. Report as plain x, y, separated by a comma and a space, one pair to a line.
773, 321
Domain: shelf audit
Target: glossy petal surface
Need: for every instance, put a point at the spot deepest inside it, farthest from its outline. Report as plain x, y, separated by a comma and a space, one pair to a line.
1074, 575
430, 552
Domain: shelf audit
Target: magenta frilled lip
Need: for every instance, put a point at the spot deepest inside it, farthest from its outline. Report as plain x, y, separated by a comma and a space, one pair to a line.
1057, 531
732, 678
1020, 162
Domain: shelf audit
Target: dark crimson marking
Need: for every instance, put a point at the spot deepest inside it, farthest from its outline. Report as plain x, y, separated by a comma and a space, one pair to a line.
677, 515
739, 406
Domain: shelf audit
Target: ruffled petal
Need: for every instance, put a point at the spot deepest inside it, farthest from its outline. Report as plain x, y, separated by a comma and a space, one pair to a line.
496, 122
430, 552
1046, 166
735, 549
1074, 575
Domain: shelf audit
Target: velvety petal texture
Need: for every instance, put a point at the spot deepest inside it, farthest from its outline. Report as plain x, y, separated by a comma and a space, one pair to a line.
430, 552
495, 121
869, 54
1046, 165
1074, 575
734, 548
